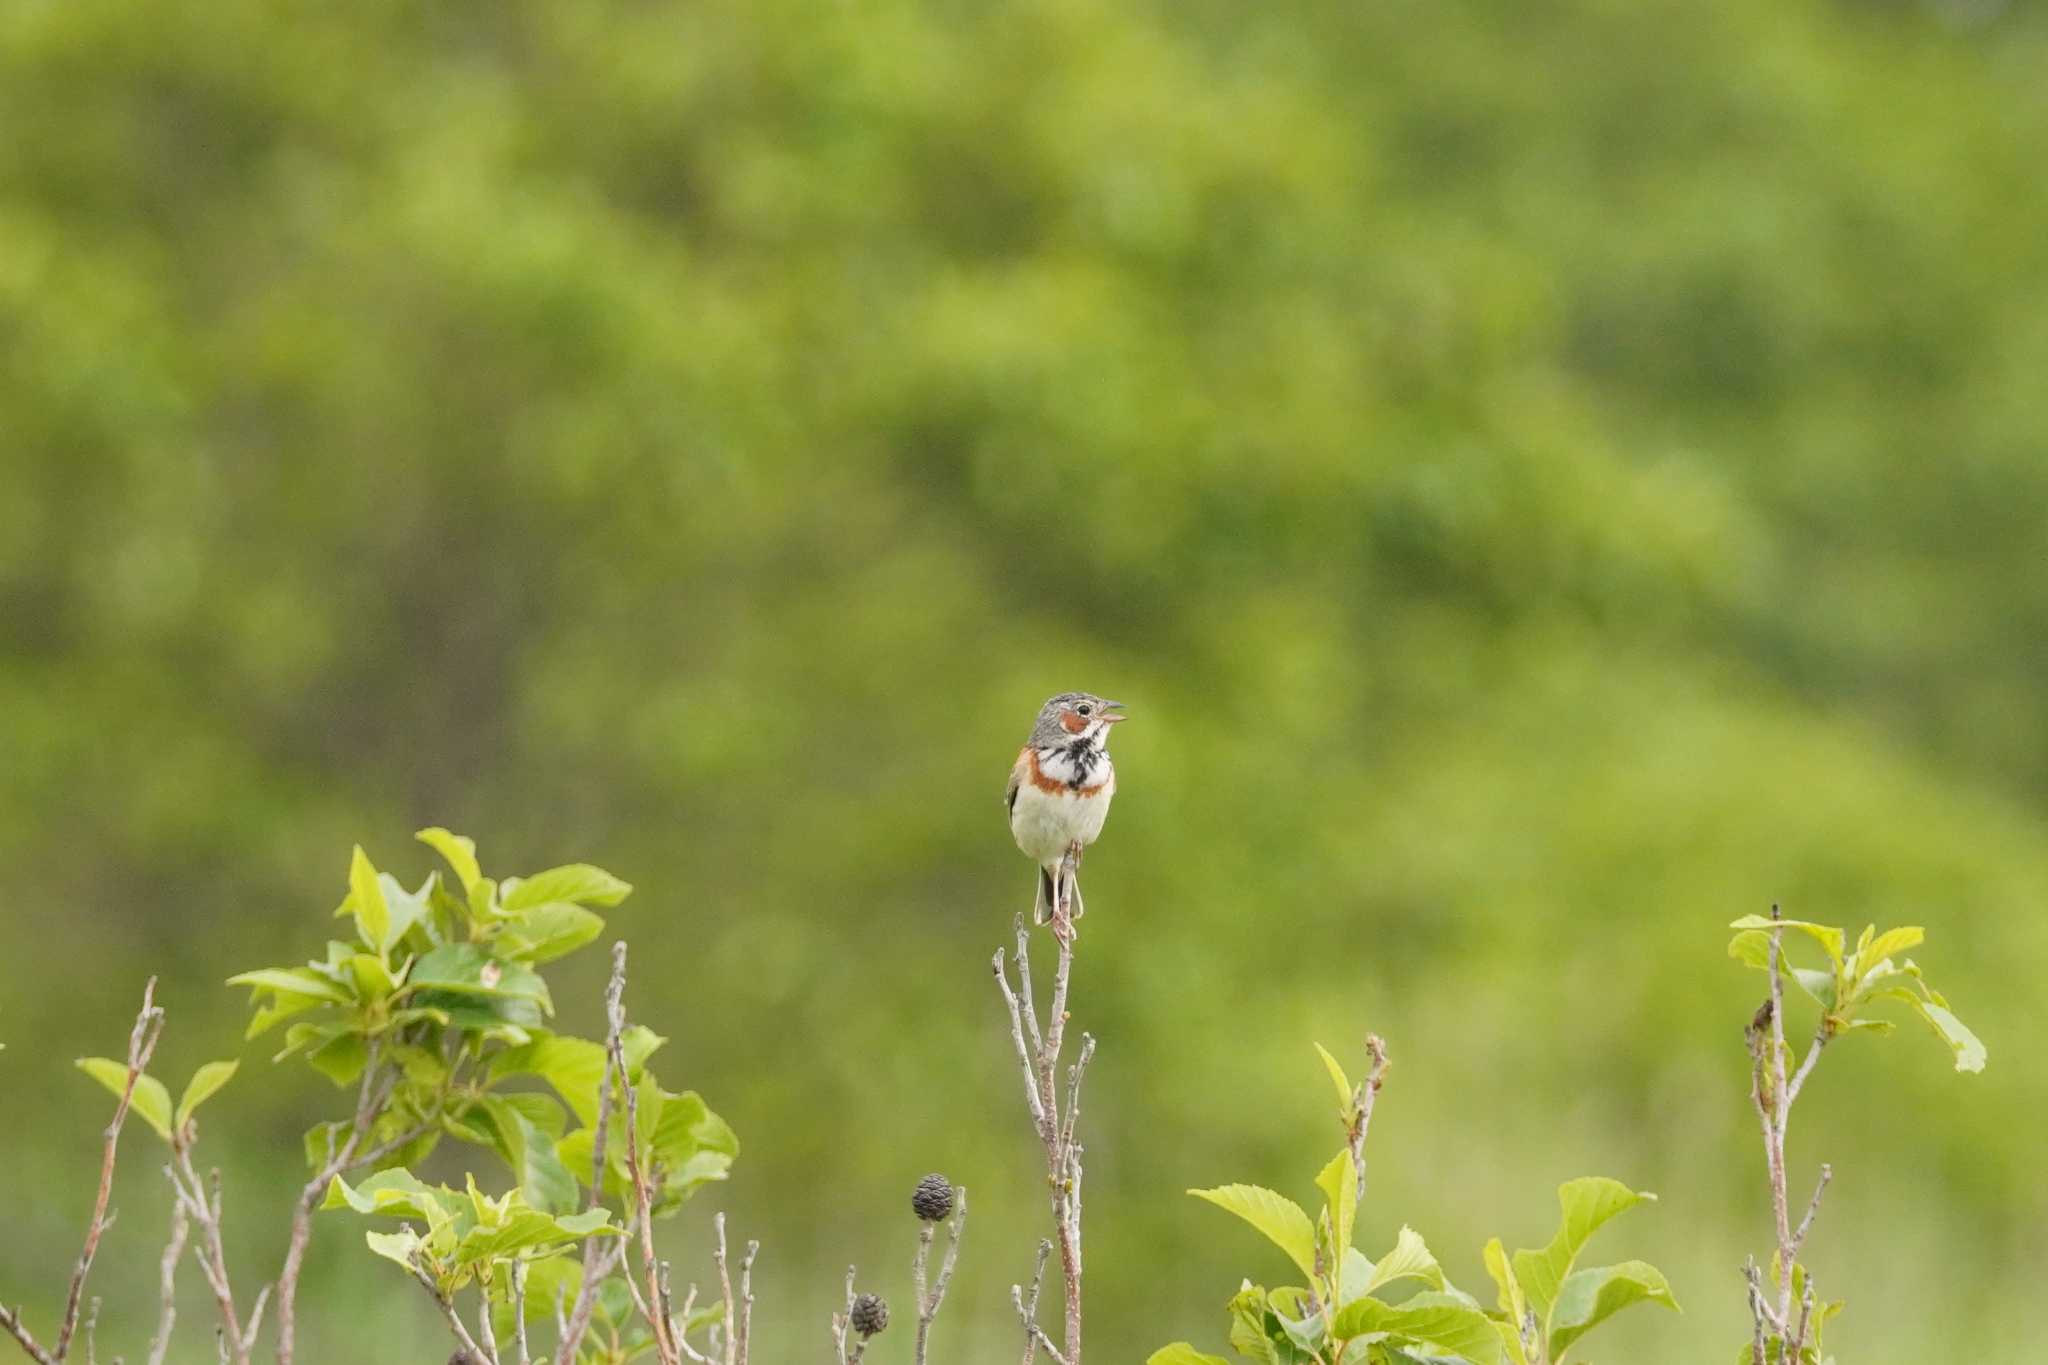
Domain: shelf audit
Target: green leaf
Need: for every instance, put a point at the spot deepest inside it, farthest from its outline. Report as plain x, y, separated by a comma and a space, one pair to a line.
1969, 1050
1587, 1203
204, 1083
400, 1246
1345, 1094
340, 1059
1275, 1215
1248, 1336
530, 1152
692, 1145
1339, 1184
1409, 1260
457, 851
524, 1228
366, 901
1180, 1353
573, 1066
1892, 941
1433, 1319
549, 931
150, 1102
396, 1193
578, 882
1588, 1298
292, 981
1826, 935
467, 969
403, 909
1511, 1300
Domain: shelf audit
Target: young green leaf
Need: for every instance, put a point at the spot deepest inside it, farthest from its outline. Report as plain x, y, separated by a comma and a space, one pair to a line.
577, 882
1826, 935
205, 1081
457, 851
1588, 1298
1180, 1353
1409, 1260
1587, 1203
1339, 1184
1345, 1093
1432, 1319
366, 901
150, 1102
401, 1246
1275, 1215
1968, 1048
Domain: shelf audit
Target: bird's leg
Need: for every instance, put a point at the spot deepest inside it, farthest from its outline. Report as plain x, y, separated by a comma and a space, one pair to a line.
1063, 895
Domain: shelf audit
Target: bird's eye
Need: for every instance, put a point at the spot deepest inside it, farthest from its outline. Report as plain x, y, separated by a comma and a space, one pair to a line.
1085, 709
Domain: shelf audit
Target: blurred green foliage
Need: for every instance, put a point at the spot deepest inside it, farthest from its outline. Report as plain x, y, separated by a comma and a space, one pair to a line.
1547, 477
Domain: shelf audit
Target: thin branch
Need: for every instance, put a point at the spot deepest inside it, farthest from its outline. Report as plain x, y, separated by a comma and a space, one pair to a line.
10, 1318
586, 1296
1027, 1308
525, 1356
1032, 1331
1038, 1055
167, 1281
928, 1303
149, 1026
455, 1322
732, 1339
746, 1336
840, 1321
373, 1094
1827, 1173
487, 1330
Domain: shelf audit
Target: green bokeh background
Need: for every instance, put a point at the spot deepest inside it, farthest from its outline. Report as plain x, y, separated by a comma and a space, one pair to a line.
1548, 478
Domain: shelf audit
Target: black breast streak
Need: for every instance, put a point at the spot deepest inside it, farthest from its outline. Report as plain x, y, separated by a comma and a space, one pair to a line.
1083, 754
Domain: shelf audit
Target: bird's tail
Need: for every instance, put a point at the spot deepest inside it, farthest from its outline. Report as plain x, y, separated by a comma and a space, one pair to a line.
1048, 895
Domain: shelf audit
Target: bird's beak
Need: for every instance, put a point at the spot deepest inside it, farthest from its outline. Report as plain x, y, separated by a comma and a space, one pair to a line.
1112, 706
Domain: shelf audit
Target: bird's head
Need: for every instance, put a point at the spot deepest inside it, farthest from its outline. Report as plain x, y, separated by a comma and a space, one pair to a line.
1075, 715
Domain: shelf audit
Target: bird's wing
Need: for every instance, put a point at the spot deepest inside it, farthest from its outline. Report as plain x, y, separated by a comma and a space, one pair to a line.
1016, 783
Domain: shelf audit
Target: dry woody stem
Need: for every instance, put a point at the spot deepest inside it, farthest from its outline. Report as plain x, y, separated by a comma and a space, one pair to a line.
1773, 1089
149, 1026
1038, 1057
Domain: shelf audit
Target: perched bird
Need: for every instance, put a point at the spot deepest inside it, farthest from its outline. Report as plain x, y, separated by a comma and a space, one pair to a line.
1059, 791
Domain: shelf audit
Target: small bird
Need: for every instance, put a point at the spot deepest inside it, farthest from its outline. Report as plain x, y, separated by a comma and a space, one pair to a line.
1059, 792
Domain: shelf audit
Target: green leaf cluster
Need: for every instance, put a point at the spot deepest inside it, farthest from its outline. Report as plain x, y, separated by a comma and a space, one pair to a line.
465, 1236
1344, 1315
435, 1007
1854, 979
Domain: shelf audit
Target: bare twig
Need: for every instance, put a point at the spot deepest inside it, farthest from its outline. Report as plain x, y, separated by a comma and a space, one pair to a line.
746, 1333
608, 1256
455, 1322
928, 1302
641, 1178
142, 1038
840, 1321
486, 1329
167, 1281
1772, 1092
1038, 1055
373, 1094
1027, 1306
732, 1337
149, 1026
525, 1356
10, 1318
1034, 1334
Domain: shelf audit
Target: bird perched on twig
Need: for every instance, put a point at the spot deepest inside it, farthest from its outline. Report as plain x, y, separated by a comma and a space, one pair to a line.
1059, 794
